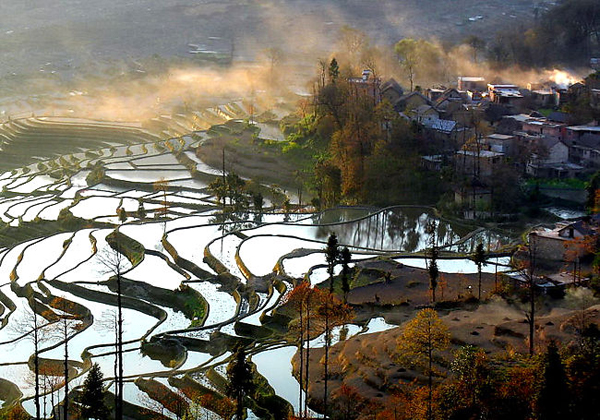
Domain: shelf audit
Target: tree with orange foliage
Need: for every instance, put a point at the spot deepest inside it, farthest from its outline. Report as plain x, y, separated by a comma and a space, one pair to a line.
409, 402
16, 412
318, 311
33, 327
465, 396
305, 300
210, 407
421, 338
347, 403
575, 249
516, 390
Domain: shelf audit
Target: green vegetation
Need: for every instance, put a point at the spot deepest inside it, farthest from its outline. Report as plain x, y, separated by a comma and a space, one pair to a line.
565, 33
350, 151
91, 399
130, 248
568, 183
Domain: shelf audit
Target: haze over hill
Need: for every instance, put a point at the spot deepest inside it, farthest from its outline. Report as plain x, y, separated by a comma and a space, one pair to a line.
60, 35
124, 60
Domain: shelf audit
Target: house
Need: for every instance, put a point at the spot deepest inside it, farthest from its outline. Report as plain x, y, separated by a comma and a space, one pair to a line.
449, 97
475, 200
553, 170
434, 93
505, 94
475, 96
474, 84
366, 85
558, 117
432, 162
552, 150
480, 164
424, 113
545, 98
411, 101
534, 124
586, 151
544, 127
553, 285
564, 242
501, 143
551, 160
570, 94
391, 91
574, 134
446, 132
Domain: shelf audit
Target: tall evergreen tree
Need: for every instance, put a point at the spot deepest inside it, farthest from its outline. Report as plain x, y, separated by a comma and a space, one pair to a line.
433, 271
332, 254
239, 373
345, 258
334, 70
479, 259
553, 401
92, 395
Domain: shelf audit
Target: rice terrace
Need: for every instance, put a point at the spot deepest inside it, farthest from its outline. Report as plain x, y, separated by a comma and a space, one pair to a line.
243, 209
192, 285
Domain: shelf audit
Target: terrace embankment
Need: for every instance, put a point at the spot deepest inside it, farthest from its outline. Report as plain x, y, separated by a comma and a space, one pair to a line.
235, 146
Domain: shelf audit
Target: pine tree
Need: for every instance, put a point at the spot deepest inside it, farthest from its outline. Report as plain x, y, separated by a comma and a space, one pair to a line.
334, 70
433, 271
479, 259
92, 395
553, 401
332, 254
239, 373
346, 257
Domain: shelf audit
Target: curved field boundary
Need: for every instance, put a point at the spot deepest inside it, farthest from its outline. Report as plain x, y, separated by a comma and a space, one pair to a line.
93, 242
174, 267
184, 263
111, 300
66, 245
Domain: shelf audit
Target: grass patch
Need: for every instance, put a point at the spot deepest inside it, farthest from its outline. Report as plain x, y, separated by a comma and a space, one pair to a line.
569, 183
129, 247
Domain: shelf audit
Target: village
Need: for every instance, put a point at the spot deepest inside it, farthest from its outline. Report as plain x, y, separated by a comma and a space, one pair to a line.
497, 137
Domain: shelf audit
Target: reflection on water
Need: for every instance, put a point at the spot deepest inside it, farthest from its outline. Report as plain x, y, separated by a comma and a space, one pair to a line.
399, 229
391, 230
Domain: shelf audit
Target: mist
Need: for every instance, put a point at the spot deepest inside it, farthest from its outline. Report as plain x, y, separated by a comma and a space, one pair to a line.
133, 59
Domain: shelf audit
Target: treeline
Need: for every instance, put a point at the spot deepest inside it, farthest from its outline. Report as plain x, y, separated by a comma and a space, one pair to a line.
568, 33
561, 384
556, 385
352, 149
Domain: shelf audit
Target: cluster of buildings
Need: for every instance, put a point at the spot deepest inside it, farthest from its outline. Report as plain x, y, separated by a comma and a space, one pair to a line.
479, 127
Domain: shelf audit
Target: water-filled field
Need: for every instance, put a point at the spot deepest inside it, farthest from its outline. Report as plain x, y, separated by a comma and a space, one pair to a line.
190, 283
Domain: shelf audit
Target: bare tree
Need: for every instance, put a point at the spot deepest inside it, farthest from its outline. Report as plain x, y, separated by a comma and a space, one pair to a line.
67, 325
31, 327
527, 268
115, 263
109, 322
